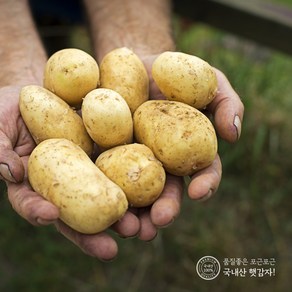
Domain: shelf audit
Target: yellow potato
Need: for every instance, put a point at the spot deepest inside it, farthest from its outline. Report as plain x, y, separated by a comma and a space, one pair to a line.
63, 174
48, 116
136, 170
179, 135
185, 78
123, 71
71, 74
107, 118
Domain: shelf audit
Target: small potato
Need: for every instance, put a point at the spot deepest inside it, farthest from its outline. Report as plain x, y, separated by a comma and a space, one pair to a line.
185, 78
71, 74
123, 71
136, 170
179, 135
48, 116
107, 118
63, 174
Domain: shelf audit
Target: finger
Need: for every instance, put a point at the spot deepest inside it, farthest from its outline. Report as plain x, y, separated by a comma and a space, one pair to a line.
11, 166
148, 230
30, 205
99, 245
206, 181
227, 109
167, 206
128, 226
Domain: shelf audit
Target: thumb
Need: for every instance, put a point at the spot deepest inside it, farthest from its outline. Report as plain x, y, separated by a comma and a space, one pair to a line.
227, 109
11, 166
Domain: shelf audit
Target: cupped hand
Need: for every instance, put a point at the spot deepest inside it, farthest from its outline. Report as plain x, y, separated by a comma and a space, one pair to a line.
227, 110
16, 144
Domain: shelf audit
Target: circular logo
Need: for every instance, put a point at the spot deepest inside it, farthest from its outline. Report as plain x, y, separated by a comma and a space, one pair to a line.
208, 267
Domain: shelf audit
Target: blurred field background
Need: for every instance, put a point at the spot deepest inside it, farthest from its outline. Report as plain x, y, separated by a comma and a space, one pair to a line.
249, 217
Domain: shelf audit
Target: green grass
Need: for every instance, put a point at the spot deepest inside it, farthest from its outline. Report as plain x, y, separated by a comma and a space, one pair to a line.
283, 2
249, 217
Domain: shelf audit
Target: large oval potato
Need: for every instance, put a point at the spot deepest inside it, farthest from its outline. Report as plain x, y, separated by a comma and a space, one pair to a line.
123, 71
63, 174
71, 73
136, 170
186, 78
107, 118
48, 116
179, 135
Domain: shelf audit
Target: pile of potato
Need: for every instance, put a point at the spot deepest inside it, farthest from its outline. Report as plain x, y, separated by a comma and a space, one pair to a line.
139, 140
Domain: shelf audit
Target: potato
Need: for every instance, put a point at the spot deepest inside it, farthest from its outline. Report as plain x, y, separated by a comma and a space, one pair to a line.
179, 135
63, 174
107, 118
185, 78
123, 71
136, 170
71, 74
48, 116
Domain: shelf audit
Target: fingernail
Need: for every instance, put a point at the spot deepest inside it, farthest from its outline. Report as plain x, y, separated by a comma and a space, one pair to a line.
45, 222
128, 237
5, 173
237, 124
104, 260
206, 196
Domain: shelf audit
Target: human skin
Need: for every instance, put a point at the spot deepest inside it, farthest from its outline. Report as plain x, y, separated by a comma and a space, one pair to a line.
149, 36
113, 24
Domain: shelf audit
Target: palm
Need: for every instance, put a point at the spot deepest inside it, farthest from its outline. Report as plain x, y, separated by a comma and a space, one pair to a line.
225, 106
227, 110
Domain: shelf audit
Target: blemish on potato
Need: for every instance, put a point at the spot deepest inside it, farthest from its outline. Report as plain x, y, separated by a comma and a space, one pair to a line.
177, 139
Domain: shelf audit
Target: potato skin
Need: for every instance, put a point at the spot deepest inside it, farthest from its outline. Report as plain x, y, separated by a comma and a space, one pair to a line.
70, 74
48, 116
180, 136
123, 71
185, 78
136, 170
63, 174
107, 118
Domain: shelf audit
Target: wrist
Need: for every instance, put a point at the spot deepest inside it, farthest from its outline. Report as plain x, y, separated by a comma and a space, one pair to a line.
22, 75
143, 49
148, 53
22, 56
148, 35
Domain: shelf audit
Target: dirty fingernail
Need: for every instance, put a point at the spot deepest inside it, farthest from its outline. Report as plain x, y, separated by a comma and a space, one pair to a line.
5, 173
237, 124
